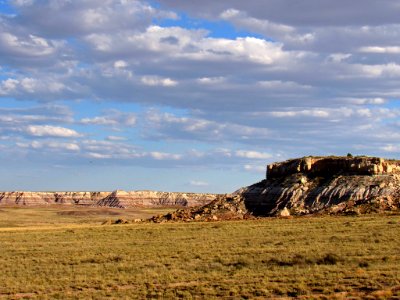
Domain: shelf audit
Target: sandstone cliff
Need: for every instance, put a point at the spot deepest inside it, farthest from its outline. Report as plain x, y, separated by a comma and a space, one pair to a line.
121, 199
326, 184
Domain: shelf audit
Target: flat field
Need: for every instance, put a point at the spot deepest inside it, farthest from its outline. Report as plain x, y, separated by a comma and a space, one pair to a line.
47, 253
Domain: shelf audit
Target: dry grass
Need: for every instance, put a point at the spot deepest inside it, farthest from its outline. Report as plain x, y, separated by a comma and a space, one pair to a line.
61, 215
318, 258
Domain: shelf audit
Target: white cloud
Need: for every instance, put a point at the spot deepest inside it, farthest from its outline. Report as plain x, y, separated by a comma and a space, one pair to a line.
319, 113
278, 84
391, 148
98, 155
252, 154
211, 80
50, 145
198, 183
157, 81
113, 118
169, 126
390, 70
51, 131
66, 18
377, 49
120, 64
116, 138
27, 86
373, 101
242, 20
339, 57
255, 168
165, 156
31, 45
99, 121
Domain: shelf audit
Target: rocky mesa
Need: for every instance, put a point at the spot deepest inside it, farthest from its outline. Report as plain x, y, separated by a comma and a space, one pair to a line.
326, 184
118, 198
308, 185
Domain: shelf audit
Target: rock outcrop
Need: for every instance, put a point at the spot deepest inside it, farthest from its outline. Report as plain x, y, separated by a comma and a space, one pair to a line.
224, 207
326, 185
120, 199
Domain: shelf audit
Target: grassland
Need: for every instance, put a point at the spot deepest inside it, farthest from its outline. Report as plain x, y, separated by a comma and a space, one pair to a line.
62, 215
72, 256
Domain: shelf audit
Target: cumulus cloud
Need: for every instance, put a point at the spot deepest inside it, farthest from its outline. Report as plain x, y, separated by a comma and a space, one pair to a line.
51, 131
163, 156
99, 121
298, 78
113, 118
45, 88
50, 145
268, 28
253, 154
36, 114
157, 81
169, 126
307, 13
66, 18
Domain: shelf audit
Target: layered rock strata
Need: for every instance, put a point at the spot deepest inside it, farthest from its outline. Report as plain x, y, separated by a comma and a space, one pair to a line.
326, 184
121, 199
332, 165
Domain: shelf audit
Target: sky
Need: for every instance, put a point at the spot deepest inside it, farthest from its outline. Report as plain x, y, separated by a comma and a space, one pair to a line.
195, 96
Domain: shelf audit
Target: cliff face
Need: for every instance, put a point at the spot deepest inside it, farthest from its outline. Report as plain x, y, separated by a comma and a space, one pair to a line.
326, 184
121, 199
329, 166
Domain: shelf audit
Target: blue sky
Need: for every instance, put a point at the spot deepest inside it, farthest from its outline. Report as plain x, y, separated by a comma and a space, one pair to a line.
195, 96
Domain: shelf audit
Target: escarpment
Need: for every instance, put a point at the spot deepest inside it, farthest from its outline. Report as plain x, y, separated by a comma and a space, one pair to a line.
118, 198
326, 185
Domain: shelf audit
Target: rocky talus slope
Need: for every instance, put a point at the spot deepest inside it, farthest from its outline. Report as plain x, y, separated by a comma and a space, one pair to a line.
224, 207
120, 199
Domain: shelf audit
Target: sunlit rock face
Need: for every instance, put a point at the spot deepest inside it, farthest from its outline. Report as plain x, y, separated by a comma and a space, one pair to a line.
326, 185
333, 165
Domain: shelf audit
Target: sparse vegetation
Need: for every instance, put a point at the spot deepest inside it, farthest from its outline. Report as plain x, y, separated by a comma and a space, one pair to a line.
61, 215
315, 257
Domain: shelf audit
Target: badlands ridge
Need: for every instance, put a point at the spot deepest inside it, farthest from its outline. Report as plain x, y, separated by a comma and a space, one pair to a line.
118, 199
